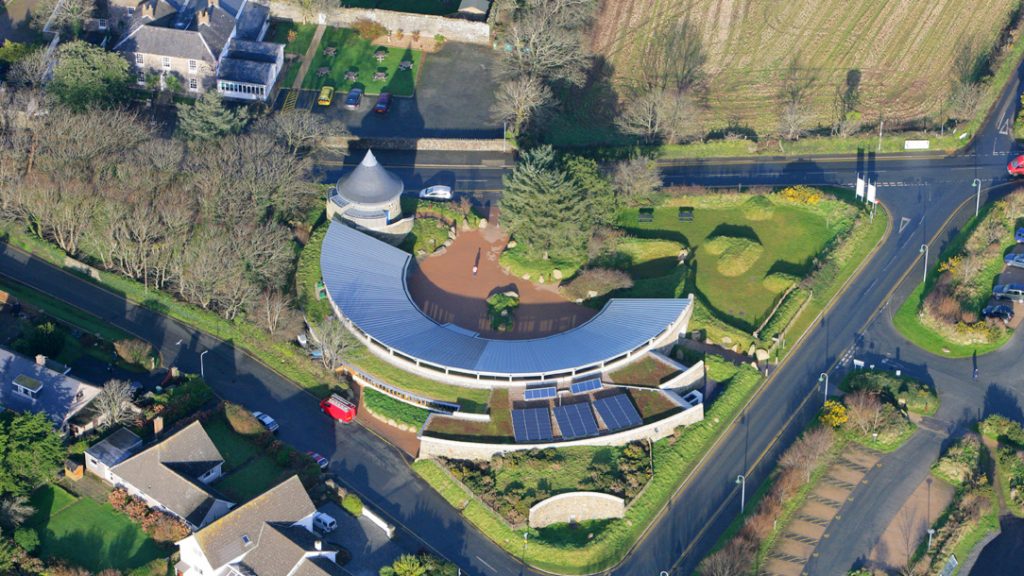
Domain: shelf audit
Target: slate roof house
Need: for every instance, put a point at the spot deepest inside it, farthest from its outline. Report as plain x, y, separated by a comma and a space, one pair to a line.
271, 535
207, 44
30, 386
173, 475
111, 451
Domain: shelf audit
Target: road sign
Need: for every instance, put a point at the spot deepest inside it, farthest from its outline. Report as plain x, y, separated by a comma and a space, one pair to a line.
860, 187
871, 192
951, 565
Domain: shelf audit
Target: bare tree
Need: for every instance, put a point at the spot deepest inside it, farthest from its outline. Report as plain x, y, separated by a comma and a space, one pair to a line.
793, 119
521, 100
732, 560
660, 114
114, 403
334, 339
864, 411
546, 40
910, 529
636, 179
964, 99
808, 450
300, 130
66, 14
274, 308
28, 71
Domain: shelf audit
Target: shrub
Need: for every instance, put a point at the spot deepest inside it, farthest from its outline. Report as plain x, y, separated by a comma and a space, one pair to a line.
134, 351
961, 463
834, 414
352, 504
1001, 428
46, 339
368, 29
293, 35
118, 498
242, 421
801, 195
61, 568
439, 39
27, 538
166, 528
596, 282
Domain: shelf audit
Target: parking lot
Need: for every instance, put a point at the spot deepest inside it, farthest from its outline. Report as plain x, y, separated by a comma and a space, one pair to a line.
454, 95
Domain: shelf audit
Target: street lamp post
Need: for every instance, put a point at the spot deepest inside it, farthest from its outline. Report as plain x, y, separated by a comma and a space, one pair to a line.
824, 378
202, 370
526, 539
931, 532
742, 481
977, 202
924, 250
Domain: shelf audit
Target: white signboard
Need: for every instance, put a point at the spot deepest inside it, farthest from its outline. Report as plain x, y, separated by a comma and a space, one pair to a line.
871, 192
915, 144
860, 187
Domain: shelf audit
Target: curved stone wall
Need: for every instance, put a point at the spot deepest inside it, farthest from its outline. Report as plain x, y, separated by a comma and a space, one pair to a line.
576, 507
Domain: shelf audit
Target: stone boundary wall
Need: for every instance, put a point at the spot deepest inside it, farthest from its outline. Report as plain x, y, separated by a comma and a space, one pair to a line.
379, 521
453, 29
435, 144
431, 447
81, 267
576, 507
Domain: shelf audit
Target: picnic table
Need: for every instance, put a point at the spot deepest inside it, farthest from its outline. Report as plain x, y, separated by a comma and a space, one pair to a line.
330, 51
351, 75
405, 65
378, 76
323, 71
380, 55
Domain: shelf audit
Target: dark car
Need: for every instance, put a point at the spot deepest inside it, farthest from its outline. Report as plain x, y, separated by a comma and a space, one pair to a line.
1003, 312
354, 98
383, 103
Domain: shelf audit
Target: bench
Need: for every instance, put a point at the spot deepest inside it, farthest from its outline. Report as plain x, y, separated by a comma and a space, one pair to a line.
685, 214
646, 215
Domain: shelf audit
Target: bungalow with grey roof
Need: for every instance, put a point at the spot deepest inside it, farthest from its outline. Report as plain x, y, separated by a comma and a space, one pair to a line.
28, 385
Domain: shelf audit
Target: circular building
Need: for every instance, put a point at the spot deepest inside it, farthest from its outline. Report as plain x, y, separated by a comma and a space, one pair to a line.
370, 198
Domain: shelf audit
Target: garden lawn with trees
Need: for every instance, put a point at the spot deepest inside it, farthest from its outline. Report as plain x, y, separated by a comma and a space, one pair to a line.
567, 550
353, 53
942, 315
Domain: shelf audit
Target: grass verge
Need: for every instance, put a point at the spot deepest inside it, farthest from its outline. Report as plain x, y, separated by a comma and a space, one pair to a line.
386, 407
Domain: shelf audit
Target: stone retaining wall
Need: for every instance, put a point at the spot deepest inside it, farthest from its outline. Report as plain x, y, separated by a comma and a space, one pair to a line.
576, 507
453, 29
431, 447
443, 144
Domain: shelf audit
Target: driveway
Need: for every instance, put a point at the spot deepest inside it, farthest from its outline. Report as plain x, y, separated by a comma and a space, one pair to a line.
453, 99
368, 544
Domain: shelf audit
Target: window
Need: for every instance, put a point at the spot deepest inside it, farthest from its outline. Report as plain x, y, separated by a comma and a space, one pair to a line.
131, 12
141, 79
193, 85
139, 59
166, 61
192, 66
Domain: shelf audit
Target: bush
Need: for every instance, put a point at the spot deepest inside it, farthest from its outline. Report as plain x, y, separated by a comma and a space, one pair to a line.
1002, 429
917, 396
242, 421
368, 29
27, 538
801, 195
46, 339
166, 528
961, 463
352, 504
596, 282
439, 39
134, 351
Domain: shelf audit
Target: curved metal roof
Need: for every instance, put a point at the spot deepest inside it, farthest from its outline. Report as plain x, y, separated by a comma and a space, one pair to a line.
366, 280
370, 183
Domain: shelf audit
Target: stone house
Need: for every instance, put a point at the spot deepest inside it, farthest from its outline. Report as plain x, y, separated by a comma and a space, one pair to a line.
206, 44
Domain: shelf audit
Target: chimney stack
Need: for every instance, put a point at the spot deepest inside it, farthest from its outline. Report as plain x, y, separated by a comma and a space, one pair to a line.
318, 544
148, 9
203, 17
41, 360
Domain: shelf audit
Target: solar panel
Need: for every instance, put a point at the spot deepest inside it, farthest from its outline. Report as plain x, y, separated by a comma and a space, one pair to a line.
618, 412
540, 393
585, 386
532, 425
576, 420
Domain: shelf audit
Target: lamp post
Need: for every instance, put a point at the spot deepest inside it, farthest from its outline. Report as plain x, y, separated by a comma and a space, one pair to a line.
824, 378
977, 203
202, 370
924, 250
526, 539
931, 532
742, 481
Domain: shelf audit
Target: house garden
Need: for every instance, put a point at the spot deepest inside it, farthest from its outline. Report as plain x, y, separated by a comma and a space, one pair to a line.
942, 315
346, 59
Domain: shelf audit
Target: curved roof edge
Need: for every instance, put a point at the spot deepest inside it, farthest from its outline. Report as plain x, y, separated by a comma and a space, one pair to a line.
366, 280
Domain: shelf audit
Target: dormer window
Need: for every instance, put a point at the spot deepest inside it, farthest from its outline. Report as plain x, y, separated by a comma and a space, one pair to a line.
27, 387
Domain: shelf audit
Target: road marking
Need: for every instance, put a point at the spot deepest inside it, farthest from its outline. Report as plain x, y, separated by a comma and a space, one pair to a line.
903, 224
484, 562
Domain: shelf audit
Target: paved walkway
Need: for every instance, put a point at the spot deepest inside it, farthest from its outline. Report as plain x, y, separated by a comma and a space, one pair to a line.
307, 60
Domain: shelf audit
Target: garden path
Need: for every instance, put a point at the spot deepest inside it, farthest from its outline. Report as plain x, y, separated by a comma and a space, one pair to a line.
307, 59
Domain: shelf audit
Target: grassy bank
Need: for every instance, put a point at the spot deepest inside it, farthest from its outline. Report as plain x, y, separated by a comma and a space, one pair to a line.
674, 458
384, 406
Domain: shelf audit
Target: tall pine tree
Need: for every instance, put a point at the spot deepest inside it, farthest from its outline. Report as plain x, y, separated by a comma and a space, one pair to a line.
208, 119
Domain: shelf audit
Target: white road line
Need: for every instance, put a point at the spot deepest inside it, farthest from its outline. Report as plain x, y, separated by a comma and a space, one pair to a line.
484, 562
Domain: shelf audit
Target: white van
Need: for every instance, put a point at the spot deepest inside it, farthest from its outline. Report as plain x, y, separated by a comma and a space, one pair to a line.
325, 523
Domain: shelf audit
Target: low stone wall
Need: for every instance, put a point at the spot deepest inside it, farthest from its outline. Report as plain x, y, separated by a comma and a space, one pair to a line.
442, 144
431, 447
576, 507
453, 29
81, 267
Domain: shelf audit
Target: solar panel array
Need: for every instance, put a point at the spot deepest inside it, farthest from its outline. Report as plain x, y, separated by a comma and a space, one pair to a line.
585, 386
532, 425
540, 393
576, 420
618, 412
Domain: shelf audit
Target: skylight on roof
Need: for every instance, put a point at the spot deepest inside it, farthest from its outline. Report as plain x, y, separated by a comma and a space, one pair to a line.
246, 540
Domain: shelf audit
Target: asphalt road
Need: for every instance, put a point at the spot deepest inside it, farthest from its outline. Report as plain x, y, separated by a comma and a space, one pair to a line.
921, 193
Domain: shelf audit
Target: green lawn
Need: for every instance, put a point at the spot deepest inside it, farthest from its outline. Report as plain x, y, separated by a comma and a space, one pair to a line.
63, 312
356, 54
428, 234
437, 7
251, 480
303, 36
644, 258
385, 406
87, 533
235, 448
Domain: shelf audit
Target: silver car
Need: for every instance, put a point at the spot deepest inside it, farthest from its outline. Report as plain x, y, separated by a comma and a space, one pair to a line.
436, 193
265, 419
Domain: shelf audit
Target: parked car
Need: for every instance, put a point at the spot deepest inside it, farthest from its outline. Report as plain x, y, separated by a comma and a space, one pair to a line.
1013, 292
325, 523
436, 193
326, 96
338, 408
1001, 311
354, 98
1015, 260
322, 462
1016, 166
383, 103
1019, 236
265, 419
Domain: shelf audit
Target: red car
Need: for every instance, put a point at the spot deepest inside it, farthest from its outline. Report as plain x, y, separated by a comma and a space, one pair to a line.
383, 103
1016, 166
338, 408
